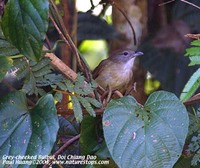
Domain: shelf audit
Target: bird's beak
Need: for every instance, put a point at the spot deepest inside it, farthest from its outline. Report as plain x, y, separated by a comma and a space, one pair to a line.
138, 54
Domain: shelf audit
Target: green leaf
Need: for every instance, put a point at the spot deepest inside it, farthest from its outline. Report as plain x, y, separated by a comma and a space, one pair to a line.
58, 96
83, 88
27, 132
195, 43
89, 137
7, 49
103, 152
77, 109
36, 75
79, 84
183, 163
70, 86
94, 102
194, 60
191, 86
87, 106
5, 64
24, 24
149, 136
194, 53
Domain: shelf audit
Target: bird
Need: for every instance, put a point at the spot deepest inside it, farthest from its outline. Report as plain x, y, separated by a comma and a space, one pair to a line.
116, 71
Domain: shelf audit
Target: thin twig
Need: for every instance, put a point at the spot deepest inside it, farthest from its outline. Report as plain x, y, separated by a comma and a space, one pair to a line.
81, 61
62, 148
115, 4
68, 143
192, 4
68, 112
164, 3
65, 34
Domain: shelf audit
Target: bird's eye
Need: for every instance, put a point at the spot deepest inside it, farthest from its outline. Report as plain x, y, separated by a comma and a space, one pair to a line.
125, 53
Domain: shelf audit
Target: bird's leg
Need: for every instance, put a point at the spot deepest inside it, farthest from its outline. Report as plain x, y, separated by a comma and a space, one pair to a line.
109, 93
118, 93
106, 96
133, 88
105, 93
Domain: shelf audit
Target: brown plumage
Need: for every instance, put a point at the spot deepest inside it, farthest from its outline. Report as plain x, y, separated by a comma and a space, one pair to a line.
116, 71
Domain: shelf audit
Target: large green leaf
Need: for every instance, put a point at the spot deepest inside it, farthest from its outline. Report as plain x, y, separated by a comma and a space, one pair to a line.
149, 136
27, 132
24, 24
7, 49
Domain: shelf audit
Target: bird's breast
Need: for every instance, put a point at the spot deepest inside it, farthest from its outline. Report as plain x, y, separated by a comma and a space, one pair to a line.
117, 76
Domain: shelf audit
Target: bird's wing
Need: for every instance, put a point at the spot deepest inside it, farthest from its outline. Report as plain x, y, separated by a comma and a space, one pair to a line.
98, 69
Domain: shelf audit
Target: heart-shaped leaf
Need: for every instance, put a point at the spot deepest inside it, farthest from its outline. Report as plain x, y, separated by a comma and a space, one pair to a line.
24, 24
27, 132
149, 136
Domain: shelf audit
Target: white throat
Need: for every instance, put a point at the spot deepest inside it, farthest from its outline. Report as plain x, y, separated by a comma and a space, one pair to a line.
129, 65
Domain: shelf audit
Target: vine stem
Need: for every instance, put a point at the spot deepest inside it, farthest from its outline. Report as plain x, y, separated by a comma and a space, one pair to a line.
164, 3
66, 37
117, 5
190, 3
62, 148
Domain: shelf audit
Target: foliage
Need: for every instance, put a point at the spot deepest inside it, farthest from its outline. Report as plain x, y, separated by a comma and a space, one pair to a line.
5, 64
127, 133
134, 133
190, 88
35, 75
27, 131
194, 134
193, 84
6, 48
25, 24
79, 91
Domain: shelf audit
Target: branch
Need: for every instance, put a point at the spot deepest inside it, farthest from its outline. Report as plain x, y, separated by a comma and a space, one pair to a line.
64, 34
193, 36
164, 3
61, 66
192, 4
68, 112
65, 70
62, 148
193, 100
